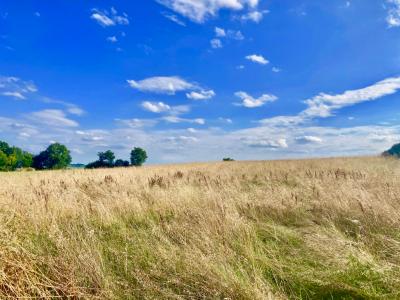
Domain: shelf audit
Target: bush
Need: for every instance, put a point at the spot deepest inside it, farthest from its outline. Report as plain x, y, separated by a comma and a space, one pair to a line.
228, 159
394, 151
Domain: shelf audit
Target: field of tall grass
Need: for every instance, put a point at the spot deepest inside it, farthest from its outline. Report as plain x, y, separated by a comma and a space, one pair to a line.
310, 229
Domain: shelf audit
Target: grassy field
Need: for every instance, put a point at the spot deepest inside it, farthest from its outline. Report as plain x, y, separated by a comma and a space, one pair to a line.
312, 229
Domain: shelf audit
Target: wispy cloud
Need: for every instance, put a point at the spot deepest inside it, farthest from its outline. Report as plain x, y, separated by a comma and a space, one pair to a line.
251, 102
174, 18
110, 17
52, 117
255, 16
324, 105
216, 43
16, 88
393, 17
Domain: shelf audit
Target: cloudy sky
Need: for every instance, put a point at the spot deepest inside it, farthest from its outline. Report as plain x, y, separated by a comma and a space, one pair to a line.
201, 80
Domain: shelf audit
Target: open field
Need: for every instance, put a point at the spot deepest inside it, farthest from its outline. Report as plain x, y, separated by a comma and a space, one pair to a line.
315, 229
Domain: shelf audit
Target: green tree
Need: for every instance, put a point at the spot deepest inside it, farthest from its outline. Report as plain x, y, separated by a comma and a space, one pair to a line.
394, 151
56, 156
3, 161
7, 150
107, 157
138, 156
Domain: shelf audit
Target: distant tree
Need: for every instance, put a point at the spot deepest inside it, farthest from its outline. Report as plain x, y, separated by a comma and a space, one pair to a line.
138, 156
107, 157
13, 158
7, 150
394, 151
3, 161
98, 165
121, 163
56, 156
228, 159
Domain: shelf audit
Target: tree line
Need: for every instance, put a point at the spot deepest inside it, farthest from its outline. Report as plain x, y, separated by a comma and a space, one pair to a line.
57, 156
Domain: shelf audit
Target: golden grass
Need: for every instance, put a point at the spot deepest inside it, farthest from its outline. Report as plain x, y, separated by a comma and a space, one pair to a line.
311, 229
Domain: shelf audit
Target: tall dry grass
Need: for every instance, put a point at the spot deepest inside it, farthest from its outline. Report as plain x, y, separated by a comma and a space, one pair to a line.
315, 229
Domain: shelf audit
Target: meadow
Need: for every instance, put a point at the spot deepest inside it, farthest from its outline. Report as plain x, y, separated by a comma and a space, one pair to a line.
306, 229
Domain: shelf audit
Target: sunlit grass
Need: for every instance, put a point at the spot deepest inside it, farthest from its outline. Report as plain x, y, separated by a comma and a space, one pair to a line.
313, 229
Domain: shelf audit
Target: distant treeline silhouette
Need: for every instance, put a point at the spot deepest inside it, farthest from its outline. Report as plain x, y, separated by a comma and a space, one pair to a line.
57, 156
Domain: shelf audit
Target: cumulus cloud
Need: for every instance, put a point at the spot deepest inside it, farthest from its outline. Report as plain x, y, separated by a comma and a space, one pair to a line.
259, 59
221, 33
251, 102
110, 17
200, 10
201, 95
162, 85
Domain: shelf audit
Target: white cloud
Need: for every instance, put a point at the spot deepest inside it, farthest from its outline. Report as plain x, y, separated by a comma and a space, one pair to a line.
216, 43
17, 95
174, 18
393, 17
259, 59
52, 117
16, 88
220, 32
201, 95
136, 123
250, 102
156, 107
175, 119
324, 105
276, 70
266, 143
162, 85
255, 16
109, 18
112, 39
200, 10
308, 139
225, 120
182, 139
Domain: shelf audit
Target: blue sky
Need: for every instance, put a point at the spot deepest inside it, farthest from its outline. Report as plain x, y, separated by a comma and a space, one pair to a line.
201, 80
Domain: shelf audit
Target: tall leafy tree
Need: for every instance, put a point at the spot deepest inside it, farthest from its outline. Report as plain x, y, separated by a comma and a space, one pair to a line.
107, 157
56, 156
138, 156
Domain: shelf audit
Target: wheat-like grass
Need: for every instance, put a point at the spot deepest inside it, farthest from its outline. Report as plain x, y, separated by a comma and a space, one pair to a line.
310, 229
